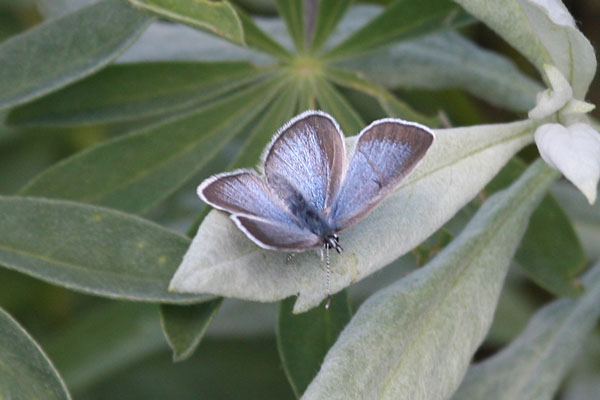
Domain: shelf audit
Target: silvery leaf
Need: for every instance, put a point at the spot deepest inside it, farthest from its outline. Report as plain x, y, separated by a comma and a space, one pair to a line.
544, 32
223, 261
584, 382
415, 339
533, 365
448, 60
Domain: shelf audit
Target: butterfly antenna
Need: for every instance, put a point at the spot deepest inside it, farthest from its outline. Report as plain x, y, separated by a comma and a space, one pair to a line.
328, 264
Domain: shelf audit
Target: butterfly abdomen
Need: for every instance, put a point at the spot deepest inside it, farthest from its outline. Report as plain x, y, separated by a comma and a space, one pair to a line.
308, 216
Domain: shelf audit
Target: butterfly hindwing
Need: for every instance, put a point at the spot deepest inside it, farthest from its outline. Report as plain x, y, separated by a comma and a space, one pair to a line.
308, 193
256, 211
276, 235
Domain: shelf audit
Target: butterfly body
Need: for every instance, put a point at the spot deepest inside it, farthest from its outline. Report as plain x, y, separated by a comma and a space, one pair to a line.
308, 192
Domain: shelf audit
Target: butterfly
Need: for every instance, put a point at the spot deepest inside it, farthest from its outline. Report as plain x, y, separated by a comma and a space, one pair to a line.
306, 191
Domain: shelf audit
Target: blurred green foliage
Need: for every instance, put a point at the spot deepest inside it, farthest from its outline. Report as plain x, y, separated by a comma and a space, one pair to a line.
139, 135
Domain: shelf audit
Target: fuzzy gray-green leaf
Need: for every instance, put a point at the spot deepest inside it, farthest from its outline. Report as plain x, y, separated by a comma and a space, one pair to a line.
534, 364
58, 52
448, 60
90, 249
223, 261
415, 339
133, 91
401, 20
134, 172
25, 371
184, 326
218, 17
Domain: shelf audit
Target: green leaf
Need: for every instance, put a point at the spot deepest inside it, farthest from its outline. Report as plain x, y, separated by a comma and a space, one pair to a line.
448, 60
329, 14
133, 91
278, 113
56, 53
542, 36
401, 20
306, 98
90, 249
331, 101
292, 12
258, 39
244, 319
25, 371
585, 218
223, 261
388, 102
534, 364
217, 17
103, 341
185, 326
583, 382
415, 339
246, 368
550, 252
24, 154
516, 305
304, 339
136, 171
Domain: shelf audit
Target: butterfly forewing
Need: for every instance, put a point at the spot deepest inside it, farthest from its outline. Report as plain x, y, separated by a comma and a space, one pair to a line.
386, 151
307, 195
256, 211
243, 192
308, 156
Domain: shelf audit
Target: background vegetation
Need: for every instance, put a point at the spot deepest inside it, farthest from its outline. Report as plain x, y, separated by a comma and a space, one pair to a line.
114, 113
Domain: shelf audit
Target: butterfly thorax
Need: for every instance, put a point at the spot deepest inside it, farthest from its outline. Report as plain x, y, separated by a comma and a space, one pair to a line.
309, 217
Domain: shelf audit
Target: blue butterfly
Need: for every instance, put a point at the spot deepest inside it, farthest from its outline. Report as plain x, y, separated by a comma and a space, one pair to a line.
307, 192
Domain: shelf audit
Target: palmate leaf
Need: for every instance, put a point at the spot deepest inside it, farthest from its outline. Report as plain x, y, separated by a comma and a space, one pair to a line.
415, 339
449, 60
133, 91
329, 99
91, 249
218, 17
258, 39
135, 172
71, 48
292, 12
222, 261
25, 371
261, 133
401, 20
388, 102
329, 14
